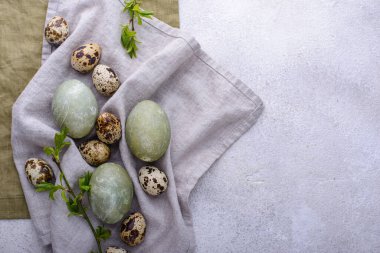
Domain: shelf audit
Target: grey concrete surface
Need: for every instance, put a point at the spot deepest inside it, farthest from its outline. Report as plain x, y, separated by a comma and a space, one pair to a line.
306, 177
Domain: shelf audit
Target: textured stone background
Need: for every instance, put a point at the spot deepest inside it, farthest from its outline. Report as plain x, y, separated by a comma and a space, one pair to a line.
306, 178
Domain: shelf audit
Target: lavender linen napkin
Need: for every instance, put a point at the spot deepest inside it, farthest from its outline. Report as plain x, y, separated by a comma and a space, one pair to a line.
208, 108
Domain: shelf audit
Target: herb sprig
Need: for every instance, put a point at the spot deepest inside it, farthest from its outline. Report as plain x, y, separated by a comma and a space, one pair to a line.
128, 33
73, 200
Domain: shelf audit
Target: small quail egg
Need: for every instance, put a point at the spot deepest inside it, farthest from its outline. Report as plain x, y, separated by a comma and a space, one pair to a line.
56, 31
108, 128
113, 249
38, 171
86, 57
133, 229
95, 152
152, 180
105, 80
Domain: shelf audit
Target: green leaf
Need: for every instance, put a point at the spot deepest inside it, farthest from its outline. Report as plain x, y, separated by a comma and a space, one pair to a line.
49, 187
141, 13
51, 193
128, 36
59, 139
84, 182
59, 142
63, 195
74, 214
131, 3
60, 178
129, 40
49, 151
73, 207
139, 20
136, 8
133, 8
44, 187
64, 132
102, 233
85, 188
146, 14
125, 8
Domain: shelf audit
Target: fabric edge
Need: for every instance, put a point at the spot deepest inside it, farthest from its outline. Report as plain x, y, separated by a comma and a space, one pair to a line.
173, 32
50, 12
226, 142
46, 51
203, 56
19, 203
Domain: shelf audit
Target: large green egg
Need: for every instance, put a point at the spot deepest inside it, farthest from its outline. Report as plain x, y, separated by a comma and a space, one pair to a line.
111, 192
147, 131
74, 106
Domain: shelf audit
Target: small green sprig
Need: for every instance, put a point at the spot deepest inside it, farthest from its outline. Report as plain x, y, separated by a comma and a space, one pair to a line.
128, 33
129, 40
51, 188
84, 182
102, 233
60, 144
73, 200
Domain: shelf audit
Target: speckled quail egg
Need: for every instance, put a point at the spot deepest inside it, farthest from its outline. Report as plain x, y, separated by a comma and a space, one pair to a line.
114, 249
38, 171
105, 80
86, 57
152, 180
56, 31
95, 152
108, 128
133, 229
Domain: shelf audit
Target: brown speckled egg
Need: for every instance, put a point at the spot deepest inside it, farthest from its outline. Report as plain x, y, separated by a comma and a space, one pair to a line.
114, 249
105, 80
95, 152
38, 171
152, 180
56, 31
133, 229
86, 57
108, 128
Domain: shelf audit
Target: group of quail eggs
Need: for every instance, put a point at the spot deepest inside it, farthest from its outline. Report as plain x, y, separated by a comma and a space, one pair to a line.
108, 130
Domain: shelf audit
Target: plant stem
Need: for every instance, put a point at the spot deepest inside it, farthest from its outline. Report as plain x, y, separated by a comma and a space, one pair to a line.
85, 216
132, 21
70, 190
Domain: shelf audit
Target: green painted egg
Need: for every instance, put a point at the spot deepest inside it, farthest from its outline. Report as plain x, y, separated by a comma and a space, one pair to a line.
74, 106
147, 131
111, 192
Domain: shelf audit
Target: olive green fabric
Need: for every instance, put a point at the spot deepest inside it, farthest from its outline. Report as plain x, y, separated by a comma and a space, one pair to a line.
165, 10
21, 30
